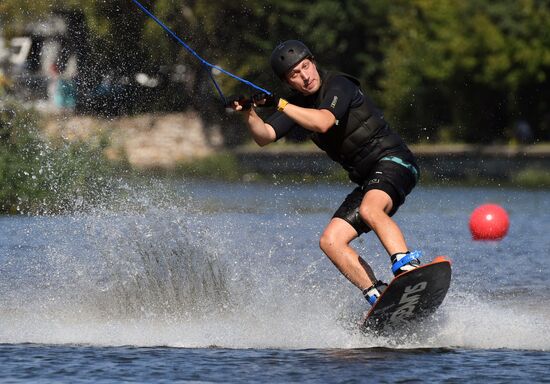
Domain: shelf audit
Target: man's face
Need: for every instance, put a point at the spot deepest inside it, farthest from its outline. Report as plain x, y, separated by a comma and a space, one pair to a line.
304, 77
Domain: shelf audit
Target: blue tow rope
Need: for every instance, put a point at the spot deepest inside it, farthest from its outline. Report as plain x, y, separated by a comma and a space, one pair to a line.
205, 63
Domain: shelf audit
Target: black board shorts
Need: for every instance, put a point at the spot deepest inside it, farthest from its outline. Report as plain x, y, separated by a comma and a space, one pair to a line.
391, 175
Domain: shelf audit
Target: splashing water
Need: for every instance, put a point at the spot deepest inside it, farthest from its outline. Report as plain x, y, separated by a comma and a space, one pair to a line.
190, 266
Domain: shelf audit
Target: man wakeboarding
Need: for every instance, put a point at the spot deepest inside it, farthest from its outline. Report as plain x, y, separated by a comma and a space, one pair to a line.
332, 108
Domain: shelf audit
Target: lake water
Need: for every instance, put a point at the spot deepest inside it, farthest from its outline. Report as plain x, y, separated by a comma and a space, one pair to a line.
214, 282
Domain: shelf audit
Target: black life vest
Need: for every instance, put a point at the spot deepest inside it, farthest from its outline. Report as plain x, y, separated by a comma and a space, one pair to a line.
361, 137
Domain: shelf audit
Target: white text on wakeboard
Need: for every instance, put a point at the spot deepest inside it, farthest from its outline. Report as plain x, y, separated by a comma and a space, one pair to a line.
408, 302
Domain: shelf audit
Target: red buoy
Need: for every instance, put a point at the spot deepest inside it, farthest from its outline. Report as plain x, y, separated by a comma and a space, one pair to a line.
489, 222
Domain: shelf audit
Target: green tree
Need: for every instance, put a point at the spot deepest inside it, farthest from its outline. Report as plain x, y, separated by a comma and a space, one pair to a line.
37, 176
471, 67
467, 64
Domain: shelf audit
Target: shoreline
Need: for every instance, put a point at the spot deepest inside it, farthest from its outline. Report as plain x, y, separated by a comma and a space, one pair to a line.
182, 144
443, 163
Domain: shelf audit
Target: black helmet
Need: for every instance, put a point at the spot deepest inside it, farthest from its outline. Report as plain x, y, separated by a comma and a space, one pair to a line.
287, 54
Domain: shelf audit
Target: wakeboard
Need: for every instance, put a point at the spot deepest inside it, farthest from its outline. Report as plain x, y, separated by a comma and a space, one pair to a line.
410, 297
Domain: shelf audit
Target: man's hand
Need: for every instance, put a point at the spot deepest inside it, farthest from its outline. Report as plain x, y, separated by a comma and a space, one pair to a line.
239, 103
262, 99
243, 103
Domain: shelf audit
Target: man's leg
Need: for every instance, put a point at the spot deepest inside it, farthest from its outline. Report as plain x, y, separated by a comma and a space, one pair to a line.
335, 244
374, 211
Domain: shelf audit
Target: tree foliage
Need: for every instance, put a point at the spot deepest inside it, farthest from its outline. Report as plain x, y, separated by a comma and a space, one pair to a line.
474, 65
37, 176
441, 69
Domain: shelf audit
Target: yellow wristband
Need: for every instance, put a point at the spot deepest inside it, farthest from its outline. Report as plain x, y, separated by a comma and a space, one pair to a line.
282, 104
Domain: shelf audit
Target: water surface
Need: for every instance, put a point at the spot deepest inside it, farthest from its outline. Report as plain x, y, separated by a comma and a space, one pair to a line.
215, 282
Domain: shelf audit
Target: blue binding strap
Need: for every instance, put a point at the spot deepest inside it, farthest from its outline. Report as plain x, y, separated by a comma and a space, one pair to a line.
415, 255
